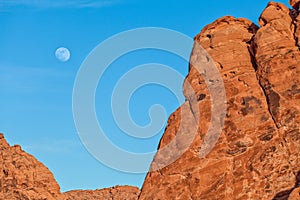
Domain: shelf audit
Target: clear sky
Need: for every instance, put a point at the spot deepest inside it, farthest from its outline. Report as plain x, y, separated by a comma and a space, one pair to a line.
36, 88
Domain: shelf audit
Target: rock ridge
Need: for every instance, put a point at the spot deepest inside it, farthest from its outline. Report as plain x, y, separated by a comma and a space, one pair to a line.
22, 177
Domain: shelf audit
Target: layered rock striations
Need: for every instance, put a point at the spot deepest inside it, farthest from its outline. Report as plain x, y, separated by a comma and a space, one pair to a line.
257, 154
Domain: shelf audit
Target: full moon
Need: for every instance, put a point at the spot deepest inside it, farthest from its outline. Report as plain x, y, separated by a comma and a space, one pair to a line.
62, 54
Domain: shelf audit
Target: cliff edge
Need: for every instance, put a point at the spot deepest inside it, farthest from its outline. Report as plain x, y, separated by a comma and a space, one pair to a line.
257, 154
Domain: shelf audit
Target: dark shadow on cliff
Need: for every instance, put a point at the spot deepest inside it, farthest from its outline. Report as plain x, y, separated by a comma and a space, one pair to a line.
284, 195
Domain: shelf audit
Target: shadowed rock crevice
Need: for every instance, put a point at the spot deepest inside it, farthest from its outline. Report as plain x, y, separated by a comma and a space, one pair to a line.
272, 105
284, 195
294, 16
272, 99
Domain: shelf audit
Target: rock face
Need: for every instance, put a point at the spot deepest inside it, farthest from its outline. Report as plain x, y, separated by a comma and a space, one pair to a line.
22, 177
295, 4
257, 154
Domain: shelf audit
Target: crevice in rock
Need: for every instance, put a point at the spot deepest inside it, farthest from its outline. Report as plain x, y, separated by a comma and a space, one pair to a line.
252, 51
294, 14
189, 188
253, 28
268, 102
284, 195
192, 111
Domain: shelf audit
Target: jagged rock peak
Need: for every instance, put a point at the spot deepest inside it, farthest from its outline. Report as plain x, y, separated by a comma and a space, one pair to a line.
3, 143
24, 177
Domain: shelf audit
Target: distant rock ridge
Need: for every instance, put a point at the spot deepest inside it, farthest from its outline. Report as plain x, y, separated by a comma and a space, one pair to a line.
257, 154
22, 177
114, 193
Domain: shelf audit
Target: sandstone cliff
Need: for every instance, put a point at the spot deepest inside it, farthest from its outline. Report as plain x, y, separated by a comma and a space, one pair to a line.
257, 154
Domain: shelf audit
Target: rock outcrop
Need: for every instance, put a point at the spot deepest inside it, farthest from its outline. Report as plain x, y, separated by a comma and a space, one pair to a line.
22, 177
295, 4
114, 193
257, 154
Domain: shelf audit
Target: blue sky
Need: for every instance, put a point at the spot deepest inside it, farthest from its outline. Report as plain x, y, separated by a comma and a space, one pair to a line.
36, 88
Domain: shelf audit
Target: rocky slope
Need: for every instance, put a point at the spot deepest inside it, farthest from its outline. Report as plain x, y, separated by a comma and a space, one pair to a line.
22, 177
257, 154
114, 193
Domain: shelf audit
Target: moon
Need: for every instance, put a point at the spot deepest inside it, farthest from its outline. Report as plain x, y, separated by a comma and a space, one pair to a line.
62, 54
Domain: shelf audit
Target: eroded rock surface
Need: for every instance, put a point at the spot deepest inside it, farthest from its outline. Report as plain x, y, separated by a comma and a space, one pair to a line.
295, 4
24, 177
114, 193
257, 154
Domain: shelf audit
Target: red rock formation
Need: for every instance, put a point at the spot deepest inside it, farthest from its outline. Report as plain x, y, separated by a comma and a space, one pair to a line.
257, 154
295, 4
114, 193
22, 177
278, 55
